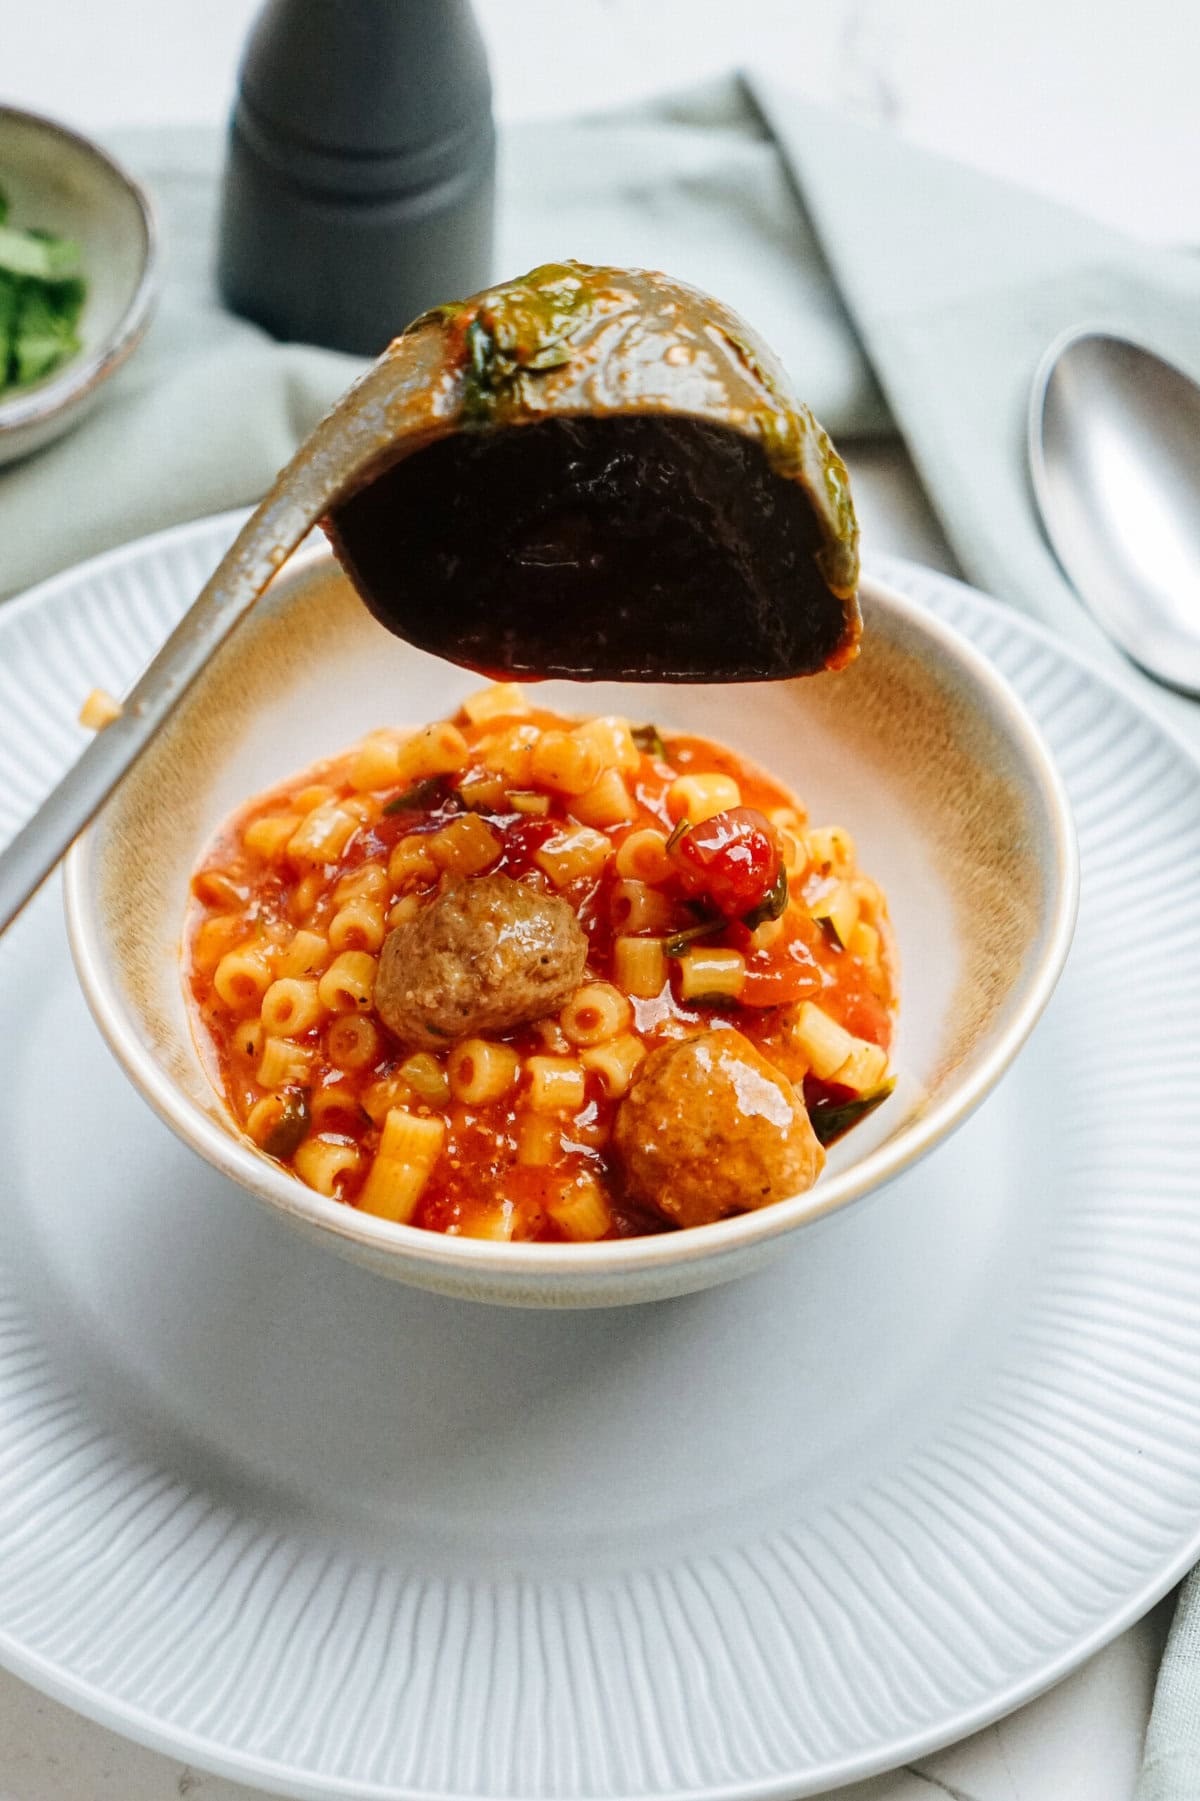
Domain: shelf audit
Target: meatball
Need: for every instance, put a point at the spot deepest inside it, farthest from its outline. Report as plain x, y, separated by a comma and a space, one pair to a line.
710, 1128
482, 957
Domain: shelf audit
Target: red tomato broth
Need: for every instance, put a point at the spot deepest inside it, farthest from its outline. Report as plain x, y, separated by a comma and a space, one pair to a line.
478, 1182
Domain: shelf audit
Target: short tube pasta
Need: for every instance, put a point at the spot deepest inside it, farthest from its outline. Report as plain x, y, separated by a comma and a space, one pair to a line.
509, 753
581, 1210
570, 854
464, 847
503, 700
410, 861
642, 856
613, 739
336, 1109
607, 802
99, 709
539, 1140
357, 926
426, 1077
594, 1013
377, 763
409, 1146
306, 895
217, 888
214, 937
437, 749
830, 850
306, 955
564, 763
353, 1042
369, 880
270, 835
615, 1062
349, 982
284, 1064
637, 907
698, 797
241, 978
291, 1006
380, 1096
706, 973
835, 1054
325, 1163
323, 834
479, 1071
556, 1084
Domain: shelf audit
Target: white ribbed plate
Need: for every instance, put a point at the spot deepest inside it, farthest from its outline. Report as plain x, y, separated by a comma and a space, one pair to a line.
268, 1513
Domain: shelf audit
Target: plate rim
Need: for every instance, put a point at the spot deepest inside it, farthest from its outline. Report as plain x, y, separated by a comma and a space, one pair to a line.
91, 1700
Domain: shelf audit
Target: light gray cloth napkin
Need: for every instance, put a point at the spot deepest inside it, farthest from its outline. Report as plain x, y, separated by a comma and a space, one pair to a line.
902, 292
957, 283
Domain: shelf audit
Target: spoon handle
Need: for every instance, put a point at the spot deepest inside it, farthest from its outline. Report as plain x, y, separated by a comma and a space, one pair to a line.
261, 546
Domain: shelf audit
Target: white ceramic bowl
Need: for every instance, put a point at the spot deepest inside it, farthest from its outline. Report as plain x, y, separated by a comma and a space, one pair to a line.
63, 183
919, 748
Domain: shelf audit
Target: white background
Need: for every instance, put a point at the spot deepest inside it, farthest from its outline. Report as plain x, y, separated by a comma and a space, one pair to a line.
1093, 102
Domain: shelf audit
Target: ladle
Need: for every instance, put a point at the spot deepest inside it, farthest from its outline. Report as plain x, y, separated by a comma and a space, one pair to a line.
591, 472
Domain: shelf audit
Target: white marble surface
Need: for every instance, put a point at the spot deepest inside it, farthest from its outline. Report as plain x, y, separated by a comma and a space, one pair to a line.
1091, 104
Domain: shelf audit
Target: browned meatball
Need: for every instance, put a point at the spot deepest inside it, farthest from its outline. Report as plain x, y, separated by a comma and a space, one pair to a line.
710, 1128
489, 954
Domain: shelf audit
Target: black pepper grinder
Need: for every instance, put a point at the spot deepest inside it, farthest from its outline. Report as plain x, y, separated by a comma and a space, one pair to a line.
360, 176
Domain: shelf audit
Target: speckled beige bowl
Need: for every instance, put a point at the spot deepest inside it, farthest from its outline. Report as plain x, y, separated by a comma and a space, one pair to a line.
61, 182
919, 748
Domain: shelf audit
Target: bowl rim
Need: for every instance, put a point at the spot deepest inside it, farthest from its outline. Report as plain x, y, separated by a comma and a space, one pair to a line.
497, 1261
84, 373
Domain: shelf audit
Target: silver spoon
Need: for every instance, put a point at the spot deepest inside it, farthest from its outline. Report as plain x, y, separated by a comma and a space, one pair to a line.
589, 472
1114, 452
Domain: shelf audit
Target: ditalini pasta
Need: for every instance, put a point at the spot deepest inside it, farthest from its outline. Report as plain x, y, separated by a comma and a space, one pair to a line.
519, 976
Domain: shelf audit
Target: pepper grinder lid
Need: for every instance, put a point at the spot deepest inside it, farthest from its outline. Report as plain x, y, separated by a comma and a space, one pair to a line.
359, 182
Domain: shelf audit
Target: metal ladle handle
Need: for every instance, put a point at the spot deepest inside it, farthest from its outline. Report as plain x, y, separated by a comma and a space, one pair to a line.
268, 537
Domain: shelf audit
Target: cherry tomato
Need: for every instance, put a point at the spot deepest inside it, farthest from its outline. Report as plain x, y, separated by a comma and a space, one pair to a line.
774, 987
787, 972
731, 860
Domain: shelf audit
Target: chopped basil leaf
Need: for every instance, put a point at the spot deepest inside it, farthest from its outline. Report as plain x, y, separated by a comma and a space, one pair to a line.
648, 739
831, 1118
291, 1128
421, 794
772, 907
684, 825
678, 942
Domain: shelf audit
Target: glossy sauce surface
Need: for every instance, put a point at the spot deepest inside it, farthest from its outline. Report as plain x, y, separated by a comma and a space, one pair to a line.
623, 548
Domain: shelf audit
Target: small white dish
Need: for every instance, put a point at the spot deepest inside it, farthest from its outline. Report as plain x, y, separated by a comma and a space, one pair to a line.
346, 1542
61, 182
919, 748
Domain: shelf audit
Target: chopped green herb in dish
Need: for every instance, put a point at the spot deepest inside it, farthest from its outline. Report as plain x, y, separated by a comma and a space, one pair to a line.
41, 297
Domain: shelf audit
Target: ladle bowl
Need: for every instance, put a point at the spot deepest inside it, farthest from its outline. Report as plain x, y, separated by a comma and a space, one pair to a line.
590, 472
